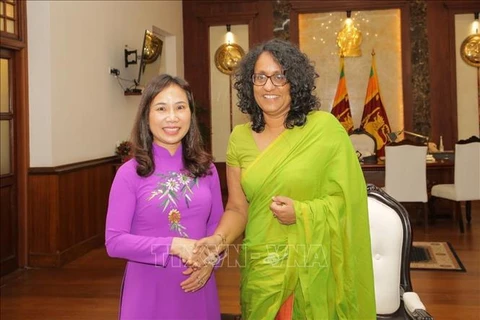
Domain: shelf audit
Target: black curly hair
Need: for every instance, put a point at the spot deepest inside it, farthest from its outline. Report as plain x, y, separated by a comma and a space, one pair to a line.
195, 159
300, 74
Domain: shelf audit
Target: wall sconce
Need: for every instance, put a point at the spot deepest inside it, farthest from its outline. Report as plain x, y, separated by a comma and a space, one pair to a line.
130, 57
229, 35
349, 38
229, 54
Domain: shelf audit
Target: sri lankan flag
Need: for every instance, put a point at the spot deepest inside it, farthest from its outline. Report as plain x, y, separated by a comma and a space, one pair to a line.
341, 104
374, 118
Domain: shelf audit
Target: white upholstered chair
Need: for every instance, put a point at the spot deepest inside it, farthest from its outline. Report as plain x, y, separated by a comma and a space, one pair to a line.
406, 174
364, 144
466, 186
391, 238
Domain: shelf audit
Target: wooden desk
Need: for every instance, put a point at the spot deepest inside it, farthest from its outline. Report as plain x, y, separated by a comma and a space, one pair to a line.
437, 172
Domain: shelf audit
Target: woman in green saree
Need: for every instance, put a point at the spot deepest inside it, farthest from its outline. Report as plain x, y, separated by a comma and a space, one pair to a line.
296, 189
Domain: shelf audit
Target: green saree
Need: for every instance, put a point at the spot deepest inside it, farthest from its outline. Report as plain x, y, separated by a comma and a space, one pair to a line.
325, 258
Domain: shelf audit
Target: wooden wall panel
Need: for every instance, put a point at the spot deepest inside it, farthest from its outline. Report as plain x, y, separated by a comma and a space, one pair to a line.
442, 64
222, 174
43, 213
443, 108
67, 208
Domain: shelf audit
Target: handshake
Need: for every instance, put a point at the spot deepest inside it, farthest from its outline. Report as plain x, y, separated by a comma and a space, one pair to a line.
200, 256
199, 253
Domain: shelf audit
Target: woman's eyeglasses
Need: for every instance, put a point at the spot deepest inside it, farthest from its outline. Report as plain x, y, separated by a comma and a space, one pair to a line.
278, 79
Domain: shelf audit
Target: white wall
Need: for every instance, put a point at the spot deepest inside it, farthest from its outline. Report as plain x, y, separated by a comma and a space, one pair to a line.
78, 111
467, 83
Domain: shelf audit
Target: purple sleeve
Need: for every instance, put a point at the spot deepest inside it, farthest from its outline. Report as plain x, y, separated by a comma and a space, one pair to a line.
216, 210
119, 242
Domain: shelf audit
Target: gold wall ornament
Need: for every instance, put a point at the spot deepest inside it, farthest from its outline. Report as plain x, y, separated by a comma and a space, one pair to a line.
349, 40
227, 57
470, 50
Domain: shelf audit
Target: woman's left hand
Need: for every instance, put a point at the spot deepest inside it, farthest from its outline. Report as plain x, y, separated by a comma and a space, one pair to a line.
283, 210
197, 278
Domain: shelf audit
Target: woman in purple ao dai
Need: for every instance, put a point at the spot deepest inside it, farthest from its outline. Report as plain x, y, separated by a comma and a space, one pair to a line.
160, 201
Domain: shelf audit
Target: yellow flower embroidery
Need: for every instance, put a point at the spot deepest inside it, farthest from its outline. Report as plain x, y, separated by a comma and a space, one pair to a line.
174, 216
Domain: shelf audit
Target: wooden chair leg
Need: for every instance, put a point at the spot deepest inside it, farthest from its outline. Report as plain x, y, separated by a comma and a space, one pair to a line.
458, 211
418, 213
454, 211
425, 216
431, 205
468, 211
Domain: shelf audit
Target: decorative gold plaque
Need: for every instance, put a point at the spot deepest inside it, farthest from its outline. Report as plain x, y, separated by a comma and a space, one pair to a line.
227, 57
470, 50
349, 40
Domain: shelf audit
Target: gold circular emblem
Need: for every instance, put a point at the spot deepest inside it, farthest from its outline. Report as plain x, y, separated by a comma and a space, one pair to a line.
470, 50
227, 57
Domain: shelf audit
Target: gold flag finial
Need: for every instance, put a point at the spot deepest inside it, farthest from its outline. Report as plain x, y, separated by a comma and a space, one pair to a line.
373, 52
